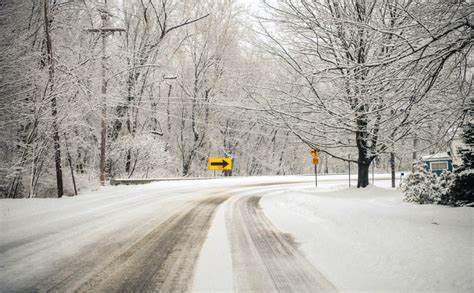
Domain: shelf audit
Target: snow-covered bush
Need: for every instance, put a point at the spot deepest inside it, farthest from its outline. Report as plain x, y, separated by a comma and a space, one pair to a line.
462, 189
425, 187
441, 193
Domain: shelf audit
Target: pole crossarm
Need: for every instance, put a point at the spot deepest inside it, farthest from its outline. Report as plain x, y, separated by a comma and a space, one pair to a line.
105, 29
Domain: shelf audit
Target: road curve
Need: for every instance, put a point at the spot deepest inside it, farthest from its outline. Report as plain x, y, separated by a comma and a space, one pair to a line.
265, 259
149, 243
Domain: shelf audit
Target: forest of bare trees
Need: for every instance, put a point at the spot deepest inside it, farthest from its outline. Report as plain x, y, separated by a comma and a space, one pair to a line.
369, 76
94, 90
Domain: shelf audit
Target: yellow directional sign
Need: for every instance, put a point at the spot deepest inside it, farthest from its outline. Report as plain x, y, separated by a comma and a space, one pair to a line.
315, 153
219, 163
316, 161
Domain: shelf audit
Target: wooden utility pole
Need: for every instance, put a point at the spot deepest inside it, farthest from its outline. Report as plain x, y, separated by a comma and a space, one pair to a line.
54, 103
104, 30
103, 122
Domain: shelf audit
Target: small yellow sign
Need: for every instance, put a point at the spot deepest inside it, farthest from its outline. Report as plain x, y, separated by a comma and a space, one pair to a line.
219, 163
315, 153
316, 161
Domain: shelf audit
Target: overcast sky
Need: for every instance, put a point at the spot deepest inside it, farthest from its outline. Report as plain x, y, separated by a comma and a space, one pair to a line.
252, 3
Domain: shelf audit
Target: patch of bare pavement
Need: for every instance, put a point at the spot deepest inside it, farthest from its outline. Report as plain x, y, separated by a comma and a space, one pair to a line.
265, 259
162, 259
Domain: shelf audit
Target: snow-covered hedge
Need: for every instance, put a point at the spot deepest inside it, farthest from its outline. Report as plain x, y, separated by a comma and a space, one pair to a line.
425, 187
462, 189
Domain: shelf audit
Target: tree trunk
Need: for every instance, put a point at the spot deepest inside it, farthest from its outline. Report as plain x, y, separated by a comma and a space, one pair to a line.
71, 167
392, 167
54, 108
128, 162
364, 158
415, 146
363, 173
326, 164
186, 167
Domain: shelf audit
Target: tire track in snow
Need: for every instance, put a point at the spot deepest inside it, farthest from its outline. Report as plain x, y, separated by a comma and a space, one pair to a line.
265, 259
165, 258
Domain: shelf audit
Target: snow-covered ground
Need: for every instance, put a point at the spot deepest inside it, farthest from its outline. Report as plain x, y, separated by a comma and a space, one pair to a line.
370, 240
360, 240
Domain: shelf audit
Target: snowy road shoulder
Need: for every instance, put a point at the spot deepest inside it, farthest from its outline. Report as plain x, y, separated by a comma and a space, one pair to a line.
374, 241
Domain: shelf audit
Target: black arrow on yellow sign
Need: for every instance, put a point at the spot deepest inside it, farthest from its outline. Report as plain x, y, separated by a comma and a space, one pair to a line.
219, 164
223, 163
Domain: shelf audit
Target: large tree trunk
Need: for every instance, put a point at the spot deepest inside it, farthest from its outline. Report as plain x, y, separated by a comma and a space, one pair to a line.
364, 160
54, 107
186, 167
364, 157
363, 173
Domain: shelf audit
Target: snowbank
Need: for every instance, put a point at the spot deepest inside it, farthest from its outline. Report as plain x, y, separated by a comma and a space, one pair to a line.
370, 240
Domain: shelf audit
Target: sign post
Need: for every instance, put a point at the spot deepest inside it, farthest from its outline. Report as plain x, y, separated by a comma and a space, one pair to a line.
401, 178
315, 154
316, 174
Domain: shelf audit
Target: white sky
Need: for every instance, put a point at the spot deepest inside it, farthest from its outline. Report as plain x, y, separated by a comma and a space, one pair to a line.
251, 3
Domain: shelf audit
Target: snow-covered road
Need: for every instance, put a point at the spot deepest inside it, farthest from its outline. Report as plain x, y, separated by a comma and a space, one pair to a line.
236, 234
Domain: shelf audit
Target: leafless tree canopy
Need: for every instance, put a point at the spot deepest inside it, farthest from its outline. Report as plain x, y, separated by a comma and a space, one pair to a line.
93, 90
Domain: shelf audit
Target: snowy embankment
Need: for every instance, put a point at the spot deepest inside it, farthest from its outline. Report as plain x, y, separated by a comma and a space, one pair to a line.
370, 240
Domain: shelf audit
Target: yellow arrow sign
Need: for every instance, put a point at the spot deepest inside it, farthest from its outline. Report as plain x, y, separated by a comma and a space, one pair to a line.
219, 163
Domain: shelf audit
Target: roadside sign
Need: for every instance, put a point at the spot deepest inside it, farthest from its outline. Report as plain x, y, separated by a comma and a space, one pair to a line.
315, 153
219, 163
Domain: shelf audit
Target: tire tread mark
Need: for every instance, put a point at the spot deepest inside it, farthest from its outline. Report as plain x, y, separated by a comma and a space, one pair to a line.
257, 242
164, 259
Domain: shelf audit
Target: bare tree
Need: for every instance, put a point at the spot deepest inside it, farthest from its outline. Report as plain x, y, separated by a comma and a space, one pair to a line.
205, 48
147, 50
371, 70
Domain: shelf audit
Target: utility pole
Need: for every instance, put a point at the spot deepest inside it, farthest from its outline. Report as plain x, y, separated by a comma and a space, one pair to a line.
54, 102
104, 30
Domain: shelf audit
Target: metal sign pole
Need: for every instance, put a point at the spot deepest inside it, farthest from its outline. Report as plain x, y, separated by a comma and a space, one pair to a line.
316, 174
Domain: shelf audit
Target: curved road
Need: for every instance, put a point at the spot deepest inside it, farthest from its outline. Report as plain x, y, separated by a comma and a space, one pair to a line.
152, 242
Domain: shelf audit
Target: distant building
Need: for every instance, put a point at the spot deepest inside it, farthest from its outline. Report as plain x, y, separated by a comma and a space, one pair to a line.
437, 163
